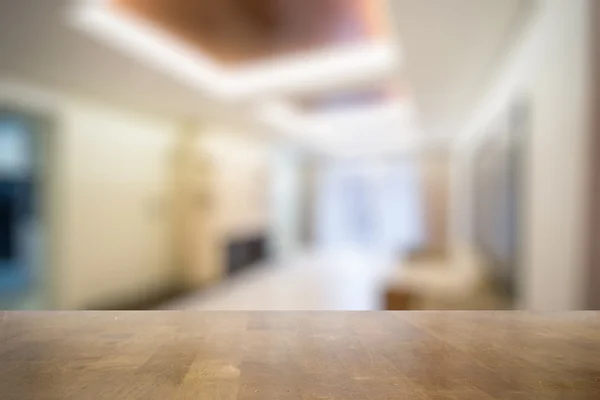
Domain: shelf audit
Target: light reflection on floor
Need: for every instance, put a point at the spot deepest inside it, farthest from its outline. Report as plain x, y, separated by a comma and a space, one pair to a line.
341, 280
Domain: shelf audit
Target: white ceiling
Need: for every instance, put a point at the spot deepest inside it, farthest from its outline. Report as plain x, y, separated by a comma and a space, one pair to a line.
371, 129
37, 44
450, 49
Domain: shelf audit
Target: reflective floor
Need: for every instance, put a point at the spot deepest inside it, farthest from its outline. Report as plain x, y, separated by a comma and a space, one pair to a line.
341, 280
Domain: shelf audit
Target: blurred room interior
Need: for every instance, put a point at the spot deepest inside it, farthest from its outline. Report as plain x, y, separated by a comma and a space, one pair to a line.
299, 154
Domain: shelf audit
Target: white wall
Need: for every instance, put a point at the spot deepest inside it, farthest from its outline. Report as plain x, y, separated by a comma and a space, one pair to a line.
555, 256
110, 208
550, 66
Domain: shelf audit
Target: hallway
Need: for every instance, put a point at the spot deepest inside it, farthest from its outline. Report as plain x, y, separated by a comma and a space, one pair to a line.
157, 156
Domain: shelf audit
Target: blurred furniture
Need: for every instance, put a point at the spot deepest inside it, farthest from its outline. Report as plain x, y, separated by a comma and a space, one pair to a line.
421, 255
398, 297
440, 280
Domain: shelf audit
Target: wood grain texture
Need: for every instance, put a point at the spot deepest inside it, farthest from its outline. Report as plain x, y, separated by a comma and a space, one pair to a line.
295, 355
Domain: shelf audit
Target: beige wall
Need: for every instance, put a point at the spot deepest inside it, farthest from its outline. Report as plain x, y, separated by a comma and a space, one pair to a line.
550, 67
109, 207
435, 178
228, 180
116, 205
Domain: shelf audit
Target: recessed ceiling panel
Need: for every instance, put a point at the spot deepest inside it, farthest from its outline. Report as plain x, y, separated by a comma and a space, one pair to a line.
238, 31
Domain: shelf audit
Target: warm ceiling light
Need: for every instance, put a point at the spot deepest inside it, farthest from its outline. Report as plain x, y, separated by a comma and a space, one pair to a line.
145, 41
341, 65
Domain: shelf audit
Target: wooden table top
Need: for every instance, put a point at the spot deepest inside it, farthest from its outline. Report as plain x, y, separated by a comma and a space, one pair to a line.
305, 355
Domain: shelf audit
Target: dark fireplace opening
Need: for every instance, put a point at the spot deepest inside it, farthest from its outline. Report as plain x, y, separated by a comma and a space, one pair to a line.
243, 253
